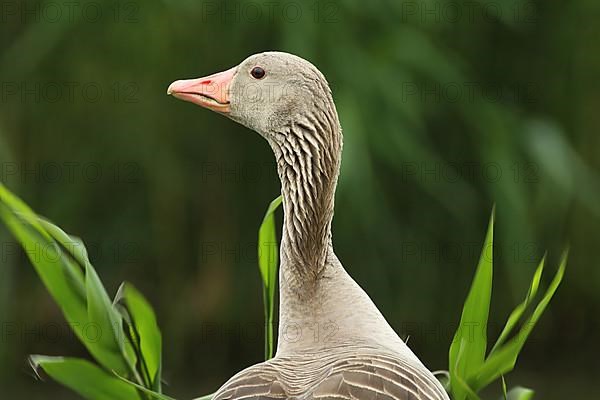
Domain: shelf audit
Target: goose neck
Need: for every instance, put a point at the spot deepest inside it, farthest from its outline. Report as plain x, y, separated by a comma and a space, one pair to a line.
308, 161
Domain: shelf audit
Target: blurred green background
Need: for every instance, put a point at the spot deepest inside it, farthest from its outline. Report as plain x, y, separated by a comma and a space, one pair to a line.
447, 107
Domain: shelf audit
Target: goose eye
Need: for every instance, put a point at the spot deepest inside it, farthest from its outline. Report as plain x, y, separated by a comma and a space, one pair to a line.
257, 73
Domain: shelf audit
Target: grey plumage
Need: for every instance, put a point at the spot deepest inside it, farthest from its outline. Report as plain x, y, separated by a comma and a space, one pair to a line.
361, 373
333, 343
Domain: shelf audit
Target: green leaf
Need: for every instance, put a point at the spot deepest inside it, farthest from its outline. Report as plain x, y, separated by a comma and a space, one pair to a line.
268, 261
101, 315
73, 246
519, 393
69, 277
17, 206
151, 393
46, 257
146, 333
517, 313
85, 378
467, 351
465, 388
106, 318
505, 357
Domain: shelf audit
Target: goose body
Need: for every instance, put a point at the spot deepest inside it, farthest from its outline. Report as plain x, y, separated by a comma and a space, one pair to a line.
333, 342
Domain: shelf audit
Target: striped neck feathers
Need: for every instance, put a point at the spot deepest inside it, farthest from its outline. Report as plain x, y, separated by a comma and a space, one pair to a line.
308, 154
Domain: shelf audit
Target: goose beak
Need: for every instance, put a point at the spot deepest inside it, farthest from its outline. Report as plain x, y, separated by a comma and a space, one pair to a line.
210, 92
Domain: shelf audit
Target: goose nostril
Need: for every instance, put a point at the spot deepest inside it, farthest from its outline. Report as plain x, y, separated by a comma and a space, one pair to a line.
206, 82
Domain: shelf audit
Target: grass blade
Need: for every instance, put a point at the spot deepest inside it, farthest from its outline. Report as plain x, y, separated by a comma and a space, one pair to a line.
102, 314
504, 358
517, 313
467, 351
268, 261
146, 333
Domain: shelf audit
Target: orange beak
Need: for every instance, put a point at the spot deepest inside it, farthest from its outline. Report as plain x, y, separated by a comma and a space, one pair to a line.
210, 92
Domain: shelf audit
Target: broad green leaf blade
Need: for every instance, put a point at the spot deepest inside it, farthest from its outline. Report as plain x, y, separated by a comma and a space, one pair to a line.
520, 393
468, 392
146, 331
110, 333
505, 357
458, 382
64, 278
47, 259
85, 378
17, 206
268, 254
467, 351
106, 318
517, 313
68, 248
45, 255
268, 261
74, 246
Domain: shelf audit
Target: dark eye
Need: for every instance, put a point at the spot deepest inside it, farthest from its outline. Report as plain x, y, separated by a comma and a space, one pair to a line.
257, 73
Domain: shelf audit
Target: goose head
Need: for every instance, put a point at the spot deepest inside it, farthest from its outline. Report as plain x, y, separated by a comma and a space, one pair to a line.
267, 92
287, 101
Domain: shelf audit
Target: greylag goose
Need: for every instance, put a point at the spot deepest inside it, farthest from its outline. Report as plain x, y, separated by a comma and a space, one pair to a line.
333, 343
